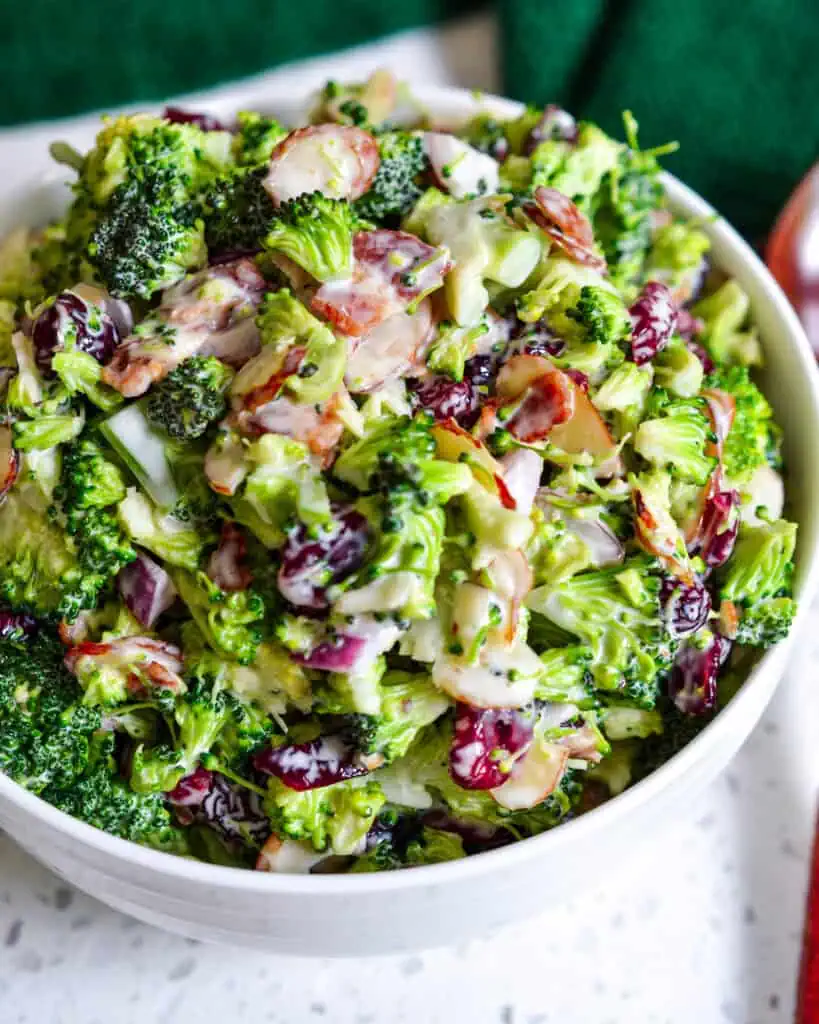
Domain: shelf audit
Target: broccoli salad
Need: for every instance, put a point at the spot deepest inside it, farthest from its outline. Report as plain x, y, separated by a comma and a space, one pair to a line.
375, 492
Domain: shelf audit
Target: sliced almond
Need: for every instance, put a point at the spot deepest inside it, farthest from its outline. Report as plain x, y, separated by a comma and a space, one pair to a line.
534, 777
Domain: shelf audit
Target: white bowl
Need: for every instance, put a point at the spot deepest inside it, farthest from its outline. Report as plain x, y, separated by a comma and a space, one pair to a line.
340, 915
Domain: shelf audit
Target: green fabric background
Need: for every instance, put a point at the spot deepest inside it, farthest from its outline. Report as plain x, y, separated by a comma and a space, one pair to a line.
736, 81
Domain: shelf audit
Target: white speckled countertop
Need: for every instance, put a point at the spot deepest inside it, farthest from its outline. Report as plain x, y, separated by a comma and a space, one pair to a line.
704, 925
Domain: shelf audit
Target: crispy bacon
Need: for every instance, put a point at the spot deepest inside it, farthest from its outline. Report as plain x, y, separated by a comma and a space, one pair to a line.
317, 426
142, 658
338, 160
545, 396
193, 319
9, 462
391, 271
568, 228
266, 392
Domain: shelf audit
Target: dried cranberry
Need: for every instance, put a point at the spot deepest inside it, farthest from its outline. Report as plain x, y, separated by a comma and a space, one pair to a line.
538, 339
653, 318
448, 399
208, 123
555, 123
303, 766
310, 565
693, 684
70, 318
686, 605
483, 741
16, 626
719, 528
192, 789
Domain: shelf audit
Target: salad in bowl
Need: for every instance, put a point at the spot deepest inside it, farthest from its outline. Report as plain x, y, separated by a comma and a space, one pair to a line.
375, 492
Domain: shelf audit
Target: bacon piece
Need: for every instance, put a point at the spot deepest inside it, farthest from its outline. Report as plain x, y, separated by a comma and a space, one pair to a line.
546, 396
142, 658
264, 393
391, 270
338, 160
568, 228
9, 462
226, 566
317, 426
209, 313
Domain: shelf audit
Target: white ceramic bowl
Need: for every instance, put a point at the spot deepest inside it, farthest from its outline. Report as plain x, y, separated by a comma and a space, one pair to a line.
359, 914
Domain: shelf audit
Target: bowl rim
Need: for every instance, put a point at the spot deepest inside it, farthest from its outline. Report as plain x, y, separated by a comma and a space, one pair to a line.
445, 101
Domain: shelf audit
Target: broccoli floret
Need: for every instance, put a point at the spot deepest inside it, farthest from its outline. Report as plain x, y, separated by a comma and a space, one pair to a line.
45, 732
753, 439
400, 454
429, 846
89, 480
676, 257
576, 169
335, 817
675, 437
237, 211
231, 622
137, 201
394, 190
766, 623
487, 134
617, 613
256, 138
453, 346
190, 398
678, 369
200, 715
622, 211
90, 486
727, 338
142, 246
603, 314
317, 233
284, 321
761, 565
408, 703
102, 799
566, 678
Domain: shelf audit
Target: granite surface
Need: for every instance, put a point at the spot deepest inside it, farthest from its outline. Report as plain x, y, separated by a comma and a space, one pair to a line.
704, 925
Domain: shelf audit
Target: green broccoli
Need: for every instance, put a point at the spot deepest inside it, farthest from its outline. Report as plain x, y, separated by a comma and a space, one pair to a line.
675, 436
678, 729
90, 487
676, 256
429, 846
617, 613
231, 622
487, 134
765, 623
453, 346
335, 817
566, 677
622, 213
237, 211
317, 233
190, 398
761, 565
727, 338
394, 190
400, 454
408, 703
102, 799
255, 138
135, 214
753, 439
45, 731
603, 314
677, 369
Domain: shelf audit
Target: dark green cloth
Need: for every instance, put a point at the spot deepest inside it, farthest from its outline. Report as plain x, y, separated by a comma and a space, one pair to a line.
735, 81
